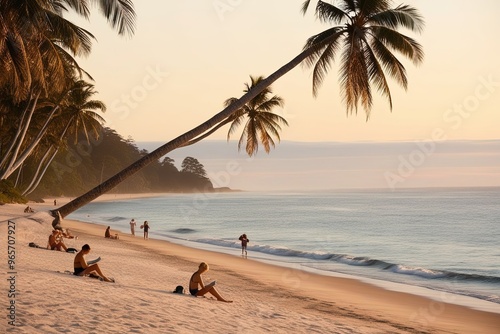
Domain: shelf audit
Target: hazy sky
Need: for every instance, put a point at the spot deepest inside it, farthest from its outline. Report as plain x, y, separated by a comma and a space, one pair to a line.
392, 166
187, 57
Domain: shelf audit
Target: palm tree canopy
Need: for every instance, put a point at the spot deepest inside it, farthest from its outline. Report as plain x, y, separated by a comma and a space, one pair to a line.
365, 37
33, 33
262, 124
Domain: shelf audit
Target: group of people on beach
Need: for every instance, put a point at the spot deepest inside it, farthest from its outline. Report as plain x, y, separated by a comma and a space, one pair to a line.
81, 268
196, 284
197, 287
145, 226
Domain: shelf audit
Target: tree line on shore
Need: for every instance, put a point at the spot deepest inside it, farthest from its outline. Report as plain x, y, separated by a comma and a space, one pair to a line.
84, 165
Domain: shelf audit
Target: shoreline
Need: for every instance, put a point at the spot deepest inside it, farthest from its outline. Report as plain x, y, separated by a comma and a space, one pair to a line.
342, 300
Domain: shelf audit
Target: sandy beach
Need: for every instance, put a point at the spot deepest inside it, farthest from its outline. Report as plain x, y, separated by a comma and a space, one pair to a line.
39, 297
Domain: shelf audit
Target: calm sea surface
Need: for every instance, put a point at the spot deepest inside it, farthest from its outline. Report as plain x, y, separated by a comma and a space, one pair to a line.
444, 240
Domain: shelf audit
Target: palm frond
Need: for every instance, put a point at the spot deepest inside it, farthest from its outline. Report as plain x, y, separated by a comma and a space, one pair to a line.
322, 65
405, 45
94, 105
71, 36
391, 64
305, 6
402, 16
377, 76
17, 66
319, 42
354, 79
81, 7
348, 5
326, 12
367, 8
271, 103
120, 14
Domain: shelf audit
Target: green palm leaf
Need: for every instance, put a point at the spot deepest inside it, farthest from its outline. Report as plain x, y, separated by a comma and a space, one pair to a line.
365, 40
262, 124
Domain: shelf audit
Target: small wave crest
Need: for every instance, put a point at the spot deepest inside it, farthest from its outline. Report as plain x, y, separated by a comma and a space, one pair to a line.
417, 271
115, 219
425, 273
183, 230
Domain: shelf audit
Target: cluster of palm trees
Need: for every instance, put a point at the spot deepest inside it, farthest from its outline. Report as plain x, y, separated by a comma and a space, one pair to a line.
44, 99
363, 35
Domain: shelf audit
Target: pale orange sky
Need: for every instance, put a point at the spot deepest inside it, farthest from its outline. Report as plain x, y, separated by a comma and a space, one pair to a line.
187, 57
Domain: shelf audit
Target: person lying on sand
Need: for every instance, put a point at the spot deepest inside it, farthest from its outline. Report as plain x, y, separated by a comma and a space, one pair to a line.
55, 241
197, 282
81, 268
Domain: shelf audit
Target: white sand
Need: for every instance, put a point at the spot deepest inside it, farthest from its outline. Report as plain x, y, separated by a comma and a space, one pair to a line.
266, 298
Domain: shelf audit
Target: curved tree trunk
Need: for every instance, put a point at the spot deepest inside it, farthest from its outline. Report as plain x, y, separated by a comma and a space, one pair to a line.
31, 147
179, 141
13, 150
36, 176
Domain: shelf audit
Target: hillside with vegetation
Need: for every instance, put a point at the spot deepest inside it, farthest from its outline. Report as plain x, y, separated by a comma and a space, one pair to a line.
85, 164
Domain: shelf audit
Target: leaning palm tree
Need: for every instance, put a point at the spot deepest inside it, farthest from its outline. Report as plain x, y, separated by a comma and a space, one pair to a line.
366, 34
27, 25
37, 46
262, 124
78, 116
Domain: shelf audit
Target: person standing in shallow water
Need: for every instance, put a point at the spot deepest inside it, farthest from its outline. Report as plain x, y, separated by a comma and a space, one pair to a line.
146, 230
132, 226
244, 241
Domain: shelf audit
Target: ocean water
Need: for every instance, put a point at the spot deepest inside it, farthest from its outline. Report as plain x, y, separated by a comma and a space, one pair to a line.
434, 240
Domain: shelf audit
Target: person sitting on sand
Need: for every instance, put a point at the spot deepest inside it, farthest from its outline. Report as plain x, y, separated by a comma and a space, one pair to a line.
81, 268
107, 234
197, 282
55, 241
28, 209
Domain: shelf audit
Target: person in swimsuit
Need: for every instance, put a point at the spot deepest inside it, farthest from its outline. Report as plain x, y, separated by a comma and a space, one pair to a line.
82, 268
108, 235
55, 241
196, 282
146, 230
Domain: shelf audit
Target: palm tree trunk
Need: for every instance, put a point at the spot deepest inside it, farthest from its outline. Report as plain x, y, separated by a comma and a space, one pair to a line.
37, 178
14, 140
206, 134
181, 140
37, 172
39, 175
20, 138
27, 152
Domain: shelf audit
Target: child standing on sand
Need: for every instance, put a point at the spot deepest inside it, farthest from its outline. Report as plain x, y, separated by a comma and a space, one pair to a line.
244, 241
